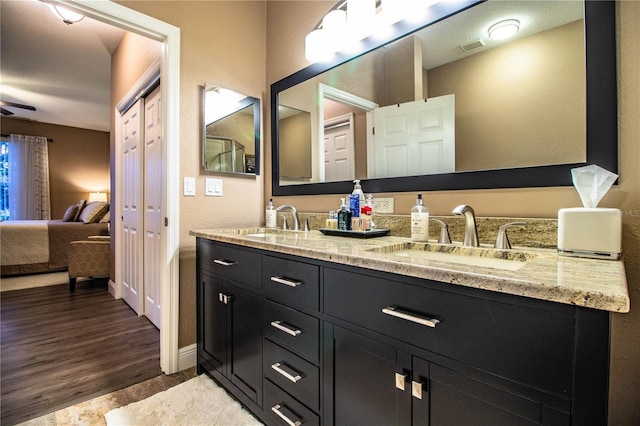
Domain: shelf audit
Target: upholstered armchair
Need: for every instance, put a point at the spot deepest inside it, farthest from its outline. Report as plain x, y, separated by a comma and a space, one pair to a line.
89, 258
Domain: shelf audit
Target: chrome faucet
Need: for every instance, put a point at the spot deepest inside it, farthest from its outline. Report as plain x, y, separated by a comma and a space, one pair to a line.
294, 213
470, 230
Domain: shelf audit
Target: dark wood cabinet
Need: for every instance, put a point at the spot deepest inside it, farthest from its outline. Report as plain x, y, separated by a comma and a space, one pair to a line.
299, 340
229, 327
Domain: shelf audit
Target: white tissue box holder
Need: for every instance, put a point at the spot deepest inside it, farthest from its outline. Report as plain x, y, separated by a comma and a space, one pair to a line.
590, 232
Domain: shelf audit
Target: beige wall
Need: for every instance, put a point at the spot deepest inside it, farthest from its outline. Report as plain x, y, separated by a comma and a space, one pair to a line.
78, 160
506, 83
288, 23
222, 43
295, 152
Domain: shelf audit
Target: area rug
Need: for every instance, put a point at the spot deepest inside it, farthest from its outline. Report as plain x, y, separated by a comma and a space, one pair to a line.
199, 401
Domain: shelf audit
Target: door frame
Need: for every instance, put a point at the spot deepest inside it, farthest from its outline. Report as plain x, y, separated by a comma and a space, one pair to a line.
147, 26
328, 92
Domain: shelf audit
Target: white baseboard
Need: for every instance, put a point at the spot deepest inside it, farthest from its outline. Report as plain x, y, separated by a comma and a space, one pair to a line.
112, 289
187, 357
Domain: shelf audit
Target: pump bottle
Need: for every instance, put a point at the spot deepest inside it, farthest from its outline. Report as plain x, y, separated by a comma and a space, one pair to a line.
419, 221
270, 215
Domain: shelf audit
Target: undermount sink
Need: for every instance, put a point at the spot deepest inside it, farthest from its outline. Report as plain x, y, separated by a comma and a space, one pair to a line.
258, 232
511, 260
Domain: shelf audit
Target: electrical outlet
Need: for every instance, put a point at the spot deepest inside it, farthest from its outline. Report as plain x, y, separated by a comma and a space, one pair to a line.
383, 205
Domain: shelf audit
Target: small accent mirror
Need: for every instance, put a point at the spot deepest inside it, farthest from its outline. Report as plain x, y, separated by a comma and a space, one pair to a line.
231, 132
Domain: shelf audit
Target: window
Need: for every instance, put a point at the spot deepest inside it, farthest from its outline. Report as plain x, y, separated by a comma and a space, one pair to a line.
4, 180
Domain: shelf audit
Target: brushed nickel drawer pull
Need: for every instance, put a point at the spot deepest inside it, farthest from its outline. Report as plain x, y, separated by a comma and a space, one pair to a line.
224, 262
280, 368
280, 325
286, 281
394, 311
276, 409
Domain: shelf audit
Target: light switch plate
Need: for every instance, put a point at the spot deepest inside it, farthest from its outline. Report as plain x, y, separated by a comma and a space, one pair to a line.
190, 186
383, 205
213, 187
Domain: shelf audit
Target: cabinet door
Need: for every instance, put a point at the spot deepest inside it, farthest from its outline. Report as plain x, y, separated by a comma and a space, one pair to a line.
212, 345
457, 399
246, 337
365, 375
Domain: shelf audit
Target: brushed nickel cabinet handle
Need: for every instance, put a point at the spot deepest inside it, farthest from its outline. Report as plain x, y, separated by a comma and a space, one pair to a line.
286, 281
394, 311
280, 325
224, 298
294, 376
224, 262
416, 389
400, 380
277, 409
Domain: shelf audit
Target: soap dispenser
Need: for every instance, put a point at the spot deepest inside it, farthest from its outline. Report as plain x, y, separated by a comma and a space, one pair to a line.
419, 221
270, 215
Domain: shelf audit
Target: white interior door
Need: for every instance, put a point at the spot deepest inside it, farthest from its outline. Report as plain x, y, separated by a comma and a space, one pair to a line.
339, 161
132, 212
152, 206
415, 138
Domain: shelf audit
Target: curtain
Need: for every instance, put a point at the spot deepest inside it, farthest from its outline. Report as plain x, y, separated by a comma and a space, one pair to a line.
29, 178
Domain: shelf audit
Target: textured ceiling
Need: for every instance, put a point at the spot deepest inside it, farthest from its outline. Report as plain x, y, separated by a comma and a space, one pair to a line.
62, 70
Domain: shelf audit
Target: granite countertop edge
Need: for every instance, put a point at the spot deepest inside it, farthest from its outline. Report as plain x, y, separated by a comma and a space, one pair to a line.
591, 283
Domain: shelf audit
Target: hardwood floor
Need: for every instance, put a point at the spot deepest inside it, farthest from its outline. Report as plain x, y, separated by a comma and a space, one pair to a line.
59, 348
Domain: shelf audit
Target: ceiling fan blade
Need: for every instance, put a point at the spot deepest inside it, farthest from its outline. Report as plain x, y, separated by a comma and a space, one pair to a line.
5, 111
13, 104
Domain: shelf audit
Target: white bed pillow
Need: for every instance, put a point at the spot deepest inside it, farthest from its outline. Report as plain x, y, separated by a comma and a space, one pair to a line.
93, 212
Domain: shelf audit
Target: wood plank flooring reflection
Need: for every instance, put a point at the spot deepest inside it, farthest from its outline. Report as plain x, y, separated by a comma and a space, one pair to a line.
59, 348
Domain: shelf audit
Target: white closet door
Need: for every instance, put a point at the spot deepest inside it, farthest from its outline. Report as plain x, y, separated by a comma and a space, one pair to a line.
132, 212
152, 206
339, 160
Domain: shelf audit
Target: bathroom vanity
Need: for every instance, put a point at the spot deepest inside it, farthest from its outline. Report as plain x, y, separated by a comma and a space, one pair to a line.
304, 328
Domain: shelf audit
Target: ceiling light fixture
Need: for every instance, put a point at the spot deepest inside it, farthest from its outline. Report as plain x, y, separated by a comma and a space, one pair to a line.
350, 21
68, 16
504, 29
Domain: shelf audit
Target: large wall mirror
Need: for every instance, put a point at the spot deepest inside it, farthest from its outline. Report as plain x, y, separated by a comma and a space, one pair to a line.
442, 106
231, 132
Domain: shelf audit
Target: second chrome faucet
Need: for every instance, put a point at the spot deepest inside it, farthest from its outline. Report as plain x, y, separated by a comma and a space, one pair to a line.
470, 230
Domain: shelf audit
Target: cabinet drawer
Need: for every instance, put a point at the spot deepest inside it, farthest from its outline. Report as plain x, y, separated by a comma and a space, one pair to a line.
279, 405
294, 330
236, 264
291, 282
527, 345
296, 376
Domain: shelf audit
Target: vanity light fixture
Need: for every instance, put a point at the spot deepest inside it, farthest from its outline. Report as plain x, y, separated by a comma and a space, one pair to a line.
350, 21
68, 16
504, 29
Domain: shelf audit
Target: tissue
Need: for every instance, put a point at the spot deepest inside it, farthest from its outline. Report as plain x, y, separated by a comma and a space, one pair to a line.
592, 183
590, 231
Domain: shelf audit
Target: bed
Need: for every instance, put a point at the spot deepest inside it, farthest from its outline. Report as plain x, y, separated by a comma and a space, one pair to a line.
34, 246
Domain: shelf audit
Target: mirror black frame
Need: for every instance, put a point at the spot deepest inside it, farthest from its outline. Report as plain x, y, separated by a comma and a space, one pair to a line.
602, 117
246, 102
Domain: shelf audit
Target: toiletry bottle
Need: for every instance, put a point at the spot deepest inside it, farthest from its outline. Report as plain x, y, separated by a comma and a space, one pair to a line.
366, 212
344, 217
356, 201
270, 215
332, 222
419, 221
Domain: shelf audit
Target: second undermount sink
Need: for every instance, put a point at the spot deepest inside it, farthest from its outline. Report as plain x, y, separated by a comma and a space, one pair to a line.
511, 260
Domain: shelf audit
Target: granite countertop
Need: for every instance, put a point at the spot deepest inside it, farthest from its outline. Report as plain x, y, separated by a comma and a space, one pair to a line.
538, 273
